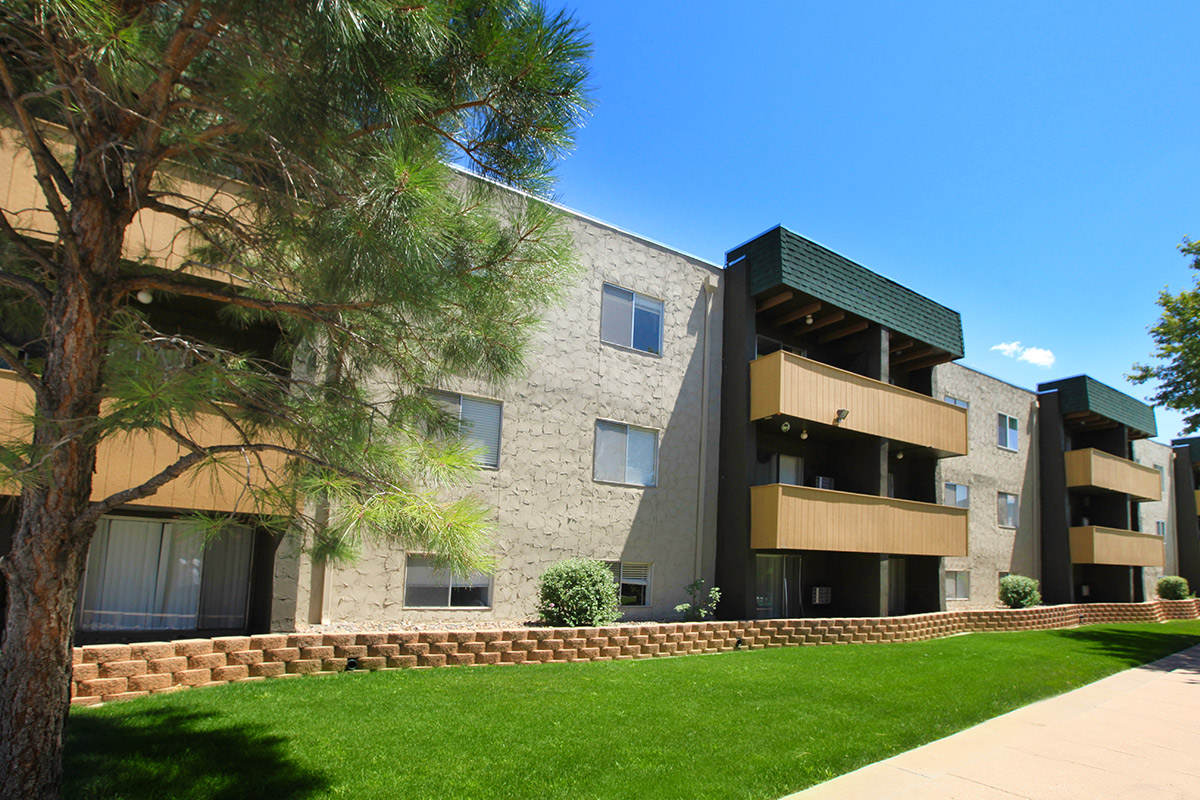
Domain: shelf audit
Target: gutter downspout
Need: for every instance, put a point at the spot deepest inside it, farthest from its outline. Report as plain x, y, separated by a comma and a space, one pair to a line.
710, 288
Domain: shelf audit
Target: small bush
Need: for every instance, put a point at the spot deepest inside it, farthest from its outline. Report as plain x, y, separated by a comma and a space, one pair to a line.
1017, 591
698, 609
1173, 587
578, 592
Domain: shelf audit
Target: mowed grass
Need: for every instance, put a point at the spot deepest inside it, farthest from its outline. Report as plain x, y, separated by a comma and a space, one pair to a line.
756, 724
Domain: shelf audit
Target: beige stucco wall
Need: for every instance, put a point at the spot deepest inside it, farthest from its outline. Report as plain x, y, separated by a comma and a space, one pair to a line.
547, 505
989, 469
1154, 454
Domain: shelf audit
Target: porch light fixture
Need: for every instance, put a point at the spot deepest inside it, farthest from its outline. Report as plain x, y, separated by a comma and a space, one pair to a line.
808, 319
804, 433
842, 414
145, 297
785, 427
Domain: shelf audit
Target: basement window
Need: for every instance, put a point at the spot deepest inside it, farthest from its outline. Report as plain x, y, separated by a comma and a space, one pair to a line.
633, 582
958, 584
427, 586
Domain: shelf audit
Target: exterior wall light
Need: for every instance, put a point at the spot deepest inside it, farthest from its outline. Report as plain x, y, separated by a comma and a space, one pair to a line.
842, 414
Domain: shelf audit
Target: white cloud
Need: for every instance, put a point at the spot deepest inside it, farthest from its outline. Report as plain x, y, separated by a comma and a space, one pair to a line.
1010, 349
1038, 356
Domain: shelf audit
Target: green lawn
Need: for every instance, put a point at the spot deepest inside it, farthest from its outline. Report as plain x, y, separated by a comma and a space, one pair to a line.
754, 724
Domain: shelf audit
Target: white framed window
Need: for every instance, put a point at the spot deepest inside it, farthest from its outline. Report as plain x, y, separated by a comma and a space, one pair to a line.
148, 574
1160, 528
426, 586
625, 454
632, 320
1007, 509
958, 584
954, 401
1006, 431
956, 494
633, 582
481, 423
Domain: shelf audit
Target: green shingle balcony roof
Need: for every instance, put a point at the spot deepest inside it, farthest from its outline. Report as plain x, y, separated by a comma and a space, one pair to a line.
1193, 445
1082, 394
780, 258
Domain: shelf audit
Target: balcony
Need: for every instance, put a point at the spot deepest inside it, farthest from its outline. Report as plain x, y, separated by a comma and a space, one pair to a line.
786, 384
802, 518
125, 461
1095, 545
1095, 469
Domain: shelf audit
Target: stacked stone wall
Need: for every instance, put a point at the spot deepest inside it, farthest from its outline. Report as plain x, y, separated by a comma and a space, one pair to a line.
111, 672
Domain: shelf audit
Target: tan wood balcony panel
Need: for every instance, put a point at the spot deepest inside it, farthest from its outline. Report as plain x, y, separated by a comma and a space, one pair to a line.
802, 518
1097, 469
125, 461
1096, 545
1197, 495
160, 239
783, 383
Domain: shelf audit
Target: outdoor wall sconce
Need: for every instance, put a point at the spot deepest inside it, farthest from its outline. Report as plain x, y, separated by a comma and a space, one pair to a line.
804, 433
842, 414
785, 427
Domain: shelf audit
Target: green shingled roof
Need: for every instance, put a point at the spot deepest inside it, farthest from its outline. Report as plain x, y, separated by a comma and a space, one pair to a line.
1193, 446
782, 258
1082, 393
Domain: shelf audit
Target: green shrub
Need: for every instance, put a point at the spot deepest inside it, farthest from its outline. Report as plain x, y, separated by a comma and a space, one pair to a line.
578, 592
698, 609
1173, 587
1017, 591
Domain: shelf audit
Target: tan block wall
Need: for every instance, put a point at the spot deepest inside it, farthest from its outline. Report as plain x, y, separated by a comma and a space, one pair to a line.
145, 670
547, 505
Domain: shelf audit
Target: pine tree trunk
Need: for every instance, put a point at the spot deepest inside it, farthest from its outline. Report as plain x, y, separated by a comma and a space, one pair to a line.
54, 525
35, 662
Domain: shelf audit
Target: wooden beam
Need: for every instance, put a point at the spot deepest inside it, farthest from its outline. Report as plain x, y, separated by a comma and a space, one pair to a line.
799, 313
825, 321
773, 300
845, 330
901, 344
1077, 414
921, 352
929, 361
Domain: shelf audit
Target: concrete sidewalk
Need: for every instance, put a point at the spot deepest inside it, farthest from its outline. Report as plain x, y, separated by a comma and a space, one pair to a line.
1132, 735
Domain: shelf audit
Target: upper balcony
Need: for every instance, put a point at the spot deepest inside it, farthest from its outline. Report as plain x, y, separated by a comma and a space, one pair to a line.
786, 384
1095, 469
125, 461
1096, 545
802, 518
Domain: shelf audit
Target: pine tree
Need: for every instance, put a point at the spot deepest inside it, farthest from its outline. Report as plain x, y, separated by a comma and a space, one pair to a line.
1177, 349
299, 150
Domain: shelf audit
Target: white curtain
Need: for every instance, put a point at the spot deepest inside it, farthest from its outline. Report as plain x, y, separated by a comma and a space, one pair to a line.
152, 575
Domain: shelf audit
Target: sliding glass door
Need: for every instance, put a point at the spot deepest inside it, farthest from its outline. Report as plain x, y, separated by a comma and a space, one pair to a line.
146, 574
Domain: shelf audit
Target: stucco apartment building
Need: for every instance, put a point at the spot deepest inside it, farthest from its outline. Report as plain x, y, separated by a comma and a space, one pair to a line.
790, 426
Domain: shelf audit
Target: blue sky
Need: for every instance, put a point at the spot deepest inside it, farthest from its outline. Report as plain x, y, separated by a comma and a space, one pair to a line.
1029, 165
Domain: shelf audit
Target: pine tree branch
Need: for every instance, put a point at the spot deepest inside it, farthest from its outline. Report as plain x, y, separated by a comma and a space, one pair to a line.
314, 312
13, 359
32, 288
50, 175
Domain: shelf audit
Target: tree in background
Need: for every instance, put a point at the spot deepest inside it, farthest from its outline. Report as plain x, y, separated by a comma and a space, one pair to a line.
1177, 349
299, 150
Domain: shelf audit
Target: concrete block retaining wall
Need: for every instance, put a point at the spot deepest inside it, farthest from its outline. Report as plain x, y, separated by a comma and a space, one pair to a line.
110, 672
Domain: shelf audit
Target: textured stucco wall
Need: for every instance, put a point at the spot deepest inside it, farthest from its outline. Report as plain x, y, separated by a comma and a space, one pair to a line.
989, 469
1153, 454
547, 505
